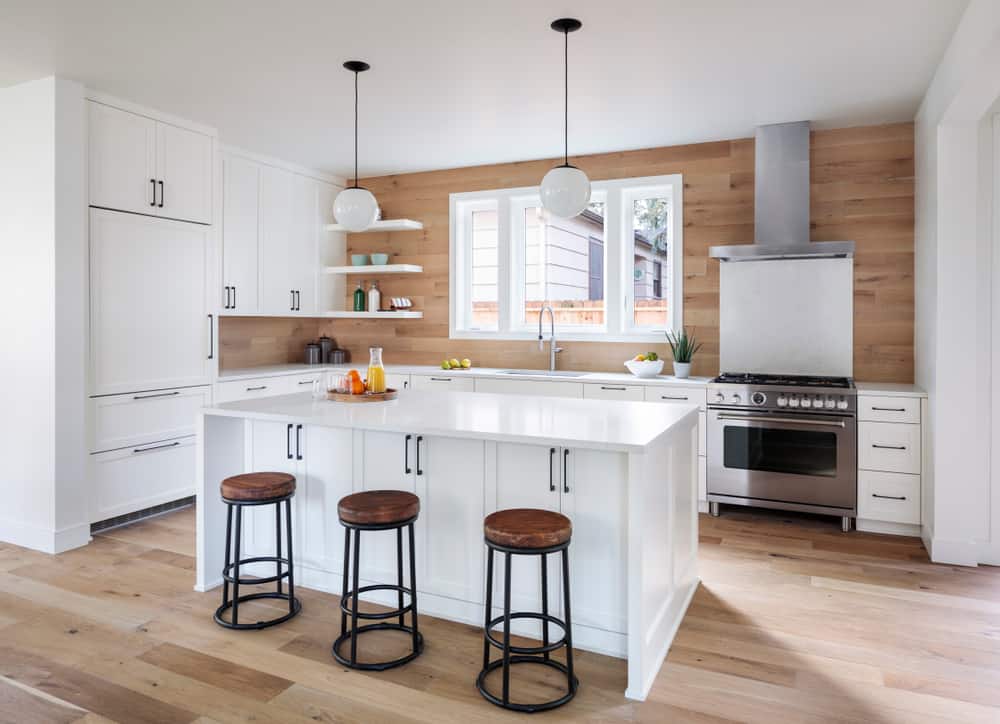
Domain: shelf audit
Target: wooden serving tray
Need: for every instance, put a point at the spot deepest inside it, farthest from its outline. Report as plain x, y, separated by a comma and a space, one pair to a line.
389, 394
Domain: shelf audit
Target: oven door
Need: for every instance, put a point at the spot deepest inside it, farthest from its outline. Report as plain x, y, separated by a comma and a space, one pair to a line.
770, 457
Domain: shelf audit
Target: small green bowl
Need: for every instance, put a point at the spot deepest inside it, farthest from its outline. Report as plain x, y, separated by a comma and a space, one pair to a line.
359, 260
380, 259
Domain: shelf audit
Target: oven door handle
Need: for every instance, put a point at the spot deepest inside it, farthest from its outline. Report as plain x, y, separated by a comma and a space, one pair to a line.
791, 420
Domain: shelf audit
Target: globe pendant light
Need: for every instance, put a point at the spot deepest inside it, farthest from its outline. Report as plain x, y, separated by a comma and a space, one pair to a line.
355, 208
565, 189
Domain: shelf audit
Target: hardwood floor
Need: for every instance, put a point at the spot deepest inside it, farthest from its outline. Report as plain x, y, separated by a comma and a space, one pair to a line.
793, 622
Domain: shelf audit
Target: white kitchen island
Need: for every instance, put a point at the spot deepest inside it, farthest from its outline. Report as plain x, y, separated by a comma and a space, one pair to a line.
625, 473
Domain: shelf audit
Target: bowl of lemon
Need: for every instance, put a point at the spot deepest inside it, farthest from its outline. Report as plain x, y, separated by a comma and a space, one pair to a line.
645, 365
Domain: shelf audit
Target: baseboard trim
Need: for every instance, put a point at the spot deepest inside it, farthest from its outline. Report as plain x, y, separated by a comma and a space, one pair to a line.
43, 539
955, 552
887, 528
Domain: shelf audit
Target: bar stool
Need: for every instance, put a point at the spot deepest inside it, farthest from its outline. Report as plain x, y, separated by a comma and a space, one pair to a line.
526, 531
252, 489
377, 510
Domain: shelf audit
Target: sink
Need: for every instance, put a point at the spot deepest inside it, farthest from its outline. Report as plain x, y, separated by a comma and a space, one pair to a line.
544, 373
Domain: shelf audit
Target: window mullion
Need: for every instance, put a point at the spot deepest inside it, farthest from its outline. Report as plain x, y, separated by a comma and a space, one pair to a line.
614, 256
505, 266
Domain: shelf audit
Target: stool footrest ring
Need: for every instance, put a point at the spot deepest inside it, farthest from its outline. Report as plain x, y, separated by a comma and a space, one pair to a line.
394, 613
227, 576
528, 708
380, 666
528, 649
259, 624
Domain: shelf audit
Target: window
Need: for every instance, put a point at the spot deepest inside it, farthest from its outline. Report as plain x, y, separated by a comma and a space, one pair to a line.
510, 258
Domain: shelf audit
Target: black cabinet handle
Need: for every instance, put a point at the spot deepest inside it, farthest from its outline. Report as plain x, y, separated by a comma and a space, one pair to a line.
889, 497
888, 447
256, 389
420, 439
152, 182
298, 442
440, 379
406, 454
157, 394
889, 409
673, 397
291, 294
565, 479
552, 483
211, 337
161, 194
154, 447
615, 389
225, 304
288, 441
234, 298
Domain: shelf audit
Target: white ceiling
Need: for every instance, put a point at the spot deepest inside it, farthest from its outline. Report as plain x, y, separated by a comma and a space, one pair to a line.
458, 83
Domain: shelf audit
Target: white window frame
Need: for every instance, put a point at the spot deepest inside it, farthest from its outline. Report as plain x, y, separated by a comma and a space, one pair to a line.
617, 196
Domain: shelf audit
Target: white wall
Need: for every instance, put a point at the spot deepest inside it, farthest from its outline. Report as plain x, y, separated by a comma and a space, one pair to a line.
953, 253
43, 303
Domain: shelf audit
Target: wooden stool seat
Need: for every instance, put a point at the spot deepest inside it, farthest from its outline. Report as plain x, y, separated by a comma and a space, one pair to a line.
527, 528
378, 507
250, 487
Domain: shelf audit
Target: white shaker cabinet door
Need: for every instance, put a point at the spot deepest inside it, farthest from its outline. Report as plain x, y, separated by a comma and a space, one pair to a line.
273, 450
149, 326
598, 552
183, 174
527, 476
389, 461
276, 239
325, 477
122, 159
449, 531
240, 206
303, 249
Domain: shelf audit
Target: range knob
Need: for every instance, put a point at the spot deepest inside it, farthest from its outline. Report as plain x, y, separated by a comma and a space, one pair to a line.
830, 403
758, 398
782, 401
793, 401
736, 398
719, 397
842, 404
806, 402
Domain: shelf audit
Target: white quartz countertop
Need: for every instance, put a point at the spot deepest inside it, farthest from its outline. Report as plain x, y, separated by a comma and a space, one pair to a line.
597, 424
889, 389
430, 370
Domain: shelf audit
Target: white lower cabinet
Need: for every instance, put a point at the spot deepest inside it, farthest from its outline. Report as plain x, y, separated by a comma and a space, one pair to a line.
145, 417
540, 388
889, 497
678, 395
444, 382
134, 478
251, 388
608, 391
890, 447
397, 382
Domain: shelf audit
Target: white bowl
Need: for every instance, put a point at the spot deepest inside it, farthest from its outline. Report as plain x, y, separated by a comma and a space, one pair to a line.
646, 368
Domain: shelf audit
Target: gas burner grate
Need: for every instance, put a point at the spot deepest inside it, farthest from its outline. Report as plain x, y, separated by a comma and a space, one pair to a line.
754, 378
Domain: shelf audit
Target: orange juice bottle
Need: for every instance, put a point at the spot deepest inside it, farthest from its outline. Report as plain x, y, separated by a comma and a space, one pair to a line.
376, 372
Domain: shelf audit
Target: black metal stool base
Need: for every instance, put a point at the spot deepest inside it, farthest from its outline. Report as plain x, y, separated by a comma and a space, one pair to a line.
295, 606
526, 708
382, 665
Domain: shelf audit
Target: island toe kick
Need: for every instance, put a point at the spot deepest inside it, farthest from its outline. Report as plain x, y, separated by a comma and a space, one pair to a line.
626, 477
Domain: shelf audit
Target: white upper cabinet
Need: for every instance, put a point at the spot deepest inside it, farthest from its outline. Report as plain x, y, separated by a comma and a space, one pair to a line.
149, 324
240, 209
146, 166
278, 295
303, 246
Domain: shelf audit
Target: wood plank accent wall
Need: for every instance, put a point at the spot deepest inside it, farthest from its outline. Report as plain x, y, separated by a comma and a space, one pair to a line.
861, 189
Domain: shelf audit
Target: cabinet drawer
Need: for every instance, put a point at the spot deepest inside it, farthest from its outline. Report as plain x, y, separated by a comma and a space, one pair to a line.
303, 382
397, 382
889, 497
251, 388
445, 382
889, 446
889, 409
123, 420
677, 393
538, 388
611, 391
134, 478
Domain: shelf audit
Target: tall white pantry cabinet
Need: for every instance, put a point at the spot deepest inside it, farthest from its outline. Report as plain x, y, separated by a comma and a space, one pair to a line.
152, 332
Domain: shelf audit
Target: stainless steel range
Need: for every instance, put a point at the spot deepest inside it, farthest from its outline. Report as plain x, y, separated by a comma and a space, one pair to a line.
786, 442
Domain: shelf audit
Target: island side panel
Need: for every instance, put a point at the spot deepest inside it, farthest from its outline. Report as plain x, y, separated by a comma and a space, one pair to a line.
662, 542
221, 452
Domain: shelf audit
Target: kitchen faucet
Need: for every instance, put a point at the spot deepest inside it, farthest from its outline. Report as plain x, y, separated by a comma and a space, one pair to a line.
552, 338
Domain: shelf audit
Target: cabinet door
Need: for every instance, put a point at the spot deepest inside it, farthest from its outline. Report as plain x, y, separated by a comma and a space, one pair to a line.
599, 549
122, 159
275, 236
397, 382
303, 251
273, 449
389, 459
251, 388
332, 294
527, 476
149, 326
325, 477
240, 206
183, 174
611, 391
140, 477
542, 388
453, 382
449, 531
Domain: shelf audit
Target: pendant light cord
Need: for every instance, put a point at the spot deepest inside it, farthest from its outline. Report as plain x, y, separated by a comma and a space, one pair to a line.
355, 129
566, 98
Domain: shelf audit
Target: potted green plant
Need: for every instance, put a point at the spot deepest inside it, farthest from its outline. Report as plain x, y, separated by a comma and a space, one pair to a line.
683, 348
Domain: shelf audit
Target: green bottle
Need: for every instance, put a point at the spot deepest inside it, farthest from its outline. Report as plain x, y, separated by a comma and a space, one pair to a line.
359, 297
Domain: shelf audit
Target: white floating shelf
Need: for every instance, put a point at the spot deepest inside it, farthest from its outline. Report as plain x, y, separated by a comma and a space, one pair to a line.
375, 269
382, 225
374, 315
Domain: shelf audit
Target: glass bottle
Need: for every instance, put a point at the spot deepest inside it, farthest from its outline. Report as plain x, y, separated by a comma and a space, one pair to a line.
359, 297
376, 372
374, 298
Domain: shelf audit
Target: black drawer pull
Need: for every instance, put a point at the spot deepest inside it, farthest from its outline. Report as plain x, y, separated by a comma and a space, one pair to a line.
306, 382
888, 447
674, 397
889, 497
440, 379
889, 409
256, 389
614, 389
158, 394
154, 447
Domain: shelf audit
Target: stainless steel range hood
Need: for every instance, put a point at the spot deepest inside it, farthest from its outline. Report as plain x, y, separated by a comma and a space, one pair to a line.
781, 201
